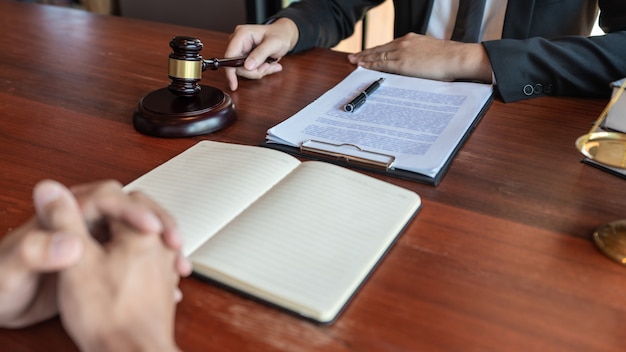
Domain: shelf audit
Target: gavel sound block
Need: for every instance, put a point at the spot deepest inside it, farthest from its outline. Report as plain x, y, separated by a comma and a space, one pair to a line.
186, 108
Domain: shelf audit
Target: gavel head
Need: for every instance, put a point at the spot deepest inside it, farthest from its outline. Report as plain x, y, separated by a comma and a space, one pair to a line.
185, 66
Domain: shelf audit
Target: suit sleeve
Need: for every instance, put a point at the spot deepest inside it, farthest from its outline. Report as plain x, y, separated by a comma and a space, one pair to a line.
324, 23
563, 66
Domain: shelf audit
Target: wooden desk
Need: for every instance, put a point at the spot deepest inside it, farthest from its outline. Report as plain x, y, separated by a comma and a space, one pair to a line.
498, 259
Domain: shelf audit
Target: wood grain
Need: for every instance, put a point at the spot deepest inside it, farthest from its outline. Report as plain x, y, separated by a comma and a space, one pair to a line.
498, 259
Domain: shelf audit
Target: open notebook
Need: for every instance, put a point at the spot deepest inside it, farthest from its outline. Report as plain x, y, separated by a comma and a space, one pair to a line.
299, 235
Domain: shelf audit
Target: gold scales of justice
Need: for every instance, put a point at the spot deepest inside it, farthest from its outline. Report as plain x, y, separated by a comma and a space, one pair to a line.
608, 148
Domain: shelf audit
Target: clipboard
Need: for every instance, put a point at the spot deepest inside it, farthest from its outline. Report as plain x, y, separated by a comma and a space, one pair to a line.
347, 153
350, 153
372, 161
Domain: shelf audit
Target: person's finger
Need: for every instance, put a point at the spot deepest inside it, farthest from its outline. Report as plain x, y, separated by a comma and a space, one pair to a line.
135, 212
57, 209
231, 77
262, 71
375, 56
178, 295
133, 244
183, 265
377, 53
59, 244
40, 251
269, 50
31, 249
107, 200
240, 44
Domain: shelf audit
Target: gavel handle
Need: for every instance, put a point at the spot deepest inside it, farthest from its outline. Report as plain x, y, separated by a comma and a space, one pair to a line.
215, 63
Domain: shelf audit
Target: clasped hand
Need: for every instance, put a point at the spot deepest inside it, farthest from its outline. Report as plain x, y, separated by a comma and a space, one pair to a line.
107, 261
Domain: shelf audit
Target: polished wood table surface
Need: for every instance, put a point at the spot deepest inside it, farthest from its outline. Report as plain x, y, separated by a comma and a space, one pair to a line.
500, 257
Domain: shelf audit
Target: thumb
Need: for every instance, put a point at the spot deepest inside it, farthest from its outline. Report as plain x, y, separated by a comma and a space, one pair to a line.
42, 251
64, 229
56, 207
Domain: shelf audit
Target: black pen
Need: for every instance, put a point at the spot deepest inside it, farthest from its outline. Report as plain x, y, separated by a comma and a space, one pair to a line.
360, 99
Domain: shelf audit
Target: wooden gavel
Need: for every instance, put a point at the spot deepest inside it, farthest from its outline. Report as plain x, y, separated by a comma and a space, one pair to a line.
186, 108
186, 65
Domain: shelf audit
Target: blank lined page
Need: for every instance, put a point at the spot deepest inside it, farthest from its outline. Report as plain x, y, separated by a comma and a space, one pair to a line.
210, 183
308, 243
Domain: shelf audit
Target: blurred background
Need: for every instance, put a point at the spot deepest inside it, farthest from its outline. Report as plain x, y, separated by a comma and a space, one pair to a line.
224, 15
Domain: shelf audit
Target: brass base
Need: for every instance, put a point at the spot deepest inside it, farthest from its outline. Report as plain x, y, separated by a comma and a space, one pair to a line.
163, 114
611, 240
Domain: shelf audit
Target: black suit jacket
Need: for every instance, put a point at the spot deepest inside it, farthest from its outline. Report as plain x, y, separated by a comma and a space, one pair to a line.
544, 48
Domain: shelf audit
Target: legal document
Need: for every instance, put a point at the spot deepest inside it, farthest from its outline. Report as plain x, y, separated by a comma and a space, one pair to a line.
409, 124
